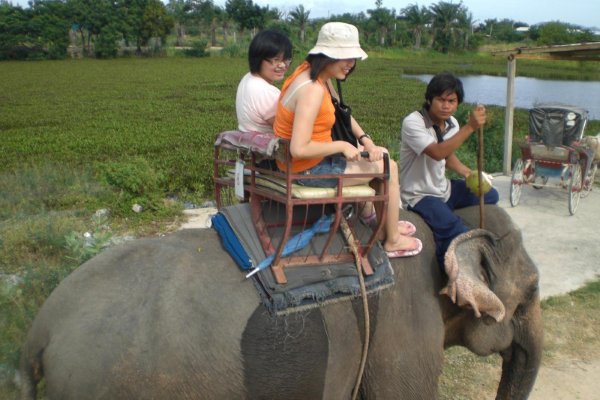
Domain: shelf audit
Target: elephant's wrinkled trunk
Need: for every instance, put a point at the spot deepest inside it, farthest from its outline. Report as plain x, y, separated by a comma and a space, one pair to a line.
521, 361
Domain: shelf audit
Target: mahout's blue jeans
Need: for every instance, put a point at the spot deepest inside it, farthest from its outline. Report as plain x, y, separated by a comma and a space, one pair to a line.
440, 217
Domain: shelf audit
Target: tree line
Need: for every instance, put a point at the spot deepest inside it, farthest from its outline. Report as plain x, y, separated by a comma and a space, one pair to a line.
46, 28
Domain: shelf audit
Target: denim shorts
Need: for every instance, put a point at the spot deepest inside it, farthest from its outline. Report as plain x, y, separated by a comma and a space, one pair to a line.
335, 164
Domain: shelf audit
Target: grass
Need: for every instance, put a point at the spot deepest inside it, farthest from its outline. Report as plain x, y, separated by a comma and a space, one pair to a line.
572, 324
168, 110
85, 111
79, 136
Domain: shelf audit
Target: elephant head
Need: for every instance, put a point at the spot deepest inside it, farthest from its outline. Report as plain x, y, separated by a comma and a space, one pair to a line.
495, 307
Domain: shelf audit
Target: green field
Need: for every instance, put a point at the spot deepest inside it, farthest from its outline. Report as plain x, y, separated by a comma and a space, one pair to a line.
79, 112
168, 110
83, 135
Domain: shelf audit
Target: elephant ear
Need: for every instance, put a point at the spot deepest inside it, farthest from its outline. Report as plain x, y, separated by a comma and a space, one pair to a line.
466, 261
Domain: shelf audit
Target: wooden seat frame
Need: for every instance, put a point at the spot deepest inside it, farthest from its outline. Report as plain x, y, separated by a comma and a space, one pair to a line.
256, 194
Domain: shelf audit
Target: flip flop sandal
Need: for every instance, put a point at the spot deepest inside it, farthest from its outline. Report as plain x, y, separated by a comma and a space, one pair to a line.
408, 226
406, 253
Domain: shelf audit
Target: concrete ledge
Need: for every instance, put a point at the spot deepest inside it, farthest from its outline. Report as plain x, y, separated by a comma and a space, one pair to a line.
198, 218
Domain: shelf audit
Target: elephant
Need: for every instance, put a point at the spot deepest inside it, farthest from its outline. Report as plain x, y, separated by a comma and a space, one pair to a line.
172, 317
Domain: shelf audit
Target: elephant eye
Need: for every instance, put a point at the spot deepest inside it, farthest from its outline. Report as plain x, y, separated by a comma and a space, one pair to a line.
484, 278
486, 273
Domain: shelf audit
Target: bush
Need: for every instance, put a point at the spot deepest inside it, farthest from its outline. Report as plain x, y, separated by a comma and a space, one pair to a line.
198, 49
234, 50
83, 246
106, 46
135, 180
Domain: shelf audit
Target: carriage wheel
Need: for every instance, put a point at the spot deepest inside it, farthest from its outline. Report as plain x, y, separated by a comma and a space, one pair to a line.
589, 180
575, 187
516, 182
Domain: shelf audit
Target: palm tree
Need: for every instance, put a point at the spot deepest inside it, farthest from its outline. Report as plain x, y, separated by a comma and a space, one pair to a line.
446, 20
226, 25
465, 27
179, 9
417, 20
383, 19
299, 17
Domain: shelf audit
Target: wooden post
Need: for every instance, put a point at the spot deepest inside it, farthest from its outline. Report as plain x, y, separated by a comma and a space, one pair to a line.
509, 114
480, 176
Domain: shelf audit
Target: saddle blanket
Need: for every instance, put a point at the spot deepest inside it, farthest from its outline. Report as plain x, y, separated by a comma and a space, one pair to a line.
308, 286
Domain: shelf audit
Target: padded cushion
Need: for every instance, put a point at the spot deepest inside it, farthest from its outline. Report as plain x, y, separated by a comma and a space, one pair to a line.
306, 192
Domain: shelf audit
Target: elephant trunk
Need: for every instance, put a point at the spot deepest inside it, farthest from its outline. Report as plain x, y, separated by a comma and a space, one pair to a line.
521, 361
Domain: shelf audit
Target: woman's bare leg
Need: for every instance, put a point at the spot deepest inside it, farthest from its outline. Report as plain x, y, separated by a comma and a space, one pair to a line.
395, 240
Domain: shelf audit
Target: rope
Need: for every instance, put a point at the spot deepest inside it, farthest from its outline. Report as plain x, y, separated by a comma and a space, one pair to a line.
363, 290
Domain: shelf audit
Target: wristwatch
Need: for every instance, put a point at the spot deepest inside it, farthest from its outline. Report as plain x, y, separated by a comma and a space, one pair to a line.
363, 136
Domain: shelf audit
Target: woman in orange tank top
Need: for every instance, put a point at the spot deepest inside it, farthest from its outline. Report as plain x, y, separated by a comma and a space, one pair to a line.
305, 116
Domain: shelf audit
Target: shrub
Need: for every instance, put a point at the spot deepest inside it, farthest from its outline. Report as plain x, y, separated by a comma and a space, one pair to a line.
83, 246
106, 45
198, 49
233, 50
136, 182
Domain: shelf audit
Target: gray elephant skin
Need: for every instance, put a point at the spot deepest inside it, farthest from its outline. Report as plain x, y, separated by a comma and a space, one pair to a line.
174, 318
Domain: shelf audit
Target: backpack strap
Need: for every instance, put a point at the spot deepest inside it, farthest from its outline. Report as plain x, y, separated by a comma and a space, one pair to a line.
339, 90
339, 99
438, 131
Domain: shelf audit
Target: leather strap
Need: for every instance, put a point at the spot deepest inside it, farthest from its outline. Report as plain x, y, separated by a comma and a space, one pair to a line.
438, 131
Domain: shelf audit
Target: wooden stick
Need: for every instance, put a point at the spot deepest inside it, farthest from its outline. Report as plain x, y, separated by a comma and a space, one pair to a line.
480, 176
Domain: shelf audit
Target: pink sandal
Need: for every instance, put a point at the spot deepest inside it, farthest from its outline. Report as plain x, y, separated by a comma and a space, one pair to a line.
408, 226
406, 253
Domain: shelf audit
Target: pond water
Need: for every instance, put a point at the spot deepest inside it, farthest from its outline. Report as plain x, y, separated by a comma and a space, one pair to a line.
487, 89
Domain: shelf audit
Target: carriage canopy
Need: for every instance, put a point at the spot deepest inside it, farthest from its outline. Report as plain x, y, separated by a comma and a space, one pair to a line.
557, 124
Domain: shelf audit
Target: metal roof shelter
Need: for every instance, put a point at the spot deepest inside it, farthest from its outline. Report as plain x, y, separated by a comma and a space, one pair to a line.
572, 52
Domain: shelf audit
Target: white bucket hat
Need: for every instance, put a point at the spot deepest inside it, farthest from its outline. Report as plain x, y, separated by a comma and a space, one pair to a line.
338, 40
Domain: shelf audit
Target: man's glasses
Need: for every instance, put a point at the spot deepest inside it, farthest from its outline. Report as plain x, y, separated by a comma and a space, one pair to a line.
277, 61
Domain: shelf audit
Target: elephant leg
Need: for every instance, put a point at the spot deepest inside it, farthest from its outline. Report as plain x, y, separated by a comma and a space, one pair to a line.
407, 346
522, 359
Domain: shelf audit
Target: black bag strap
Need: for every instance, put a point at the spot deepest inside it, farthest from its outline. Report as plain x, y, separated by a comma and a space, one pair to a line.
438, 131
339, 90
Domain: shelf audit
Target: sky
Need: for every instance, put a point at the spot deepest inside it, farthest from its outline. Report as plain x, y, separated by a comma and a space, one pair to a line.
579, 12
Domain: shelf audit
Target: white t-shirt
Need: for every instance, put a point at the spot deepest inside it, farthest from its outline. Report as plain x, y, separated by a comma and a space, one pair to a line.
421, 175
255, 104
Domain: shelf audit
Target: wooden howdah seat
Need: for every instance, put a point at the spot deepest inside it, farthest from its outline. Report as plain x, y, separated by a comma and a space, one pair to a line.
263, 184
